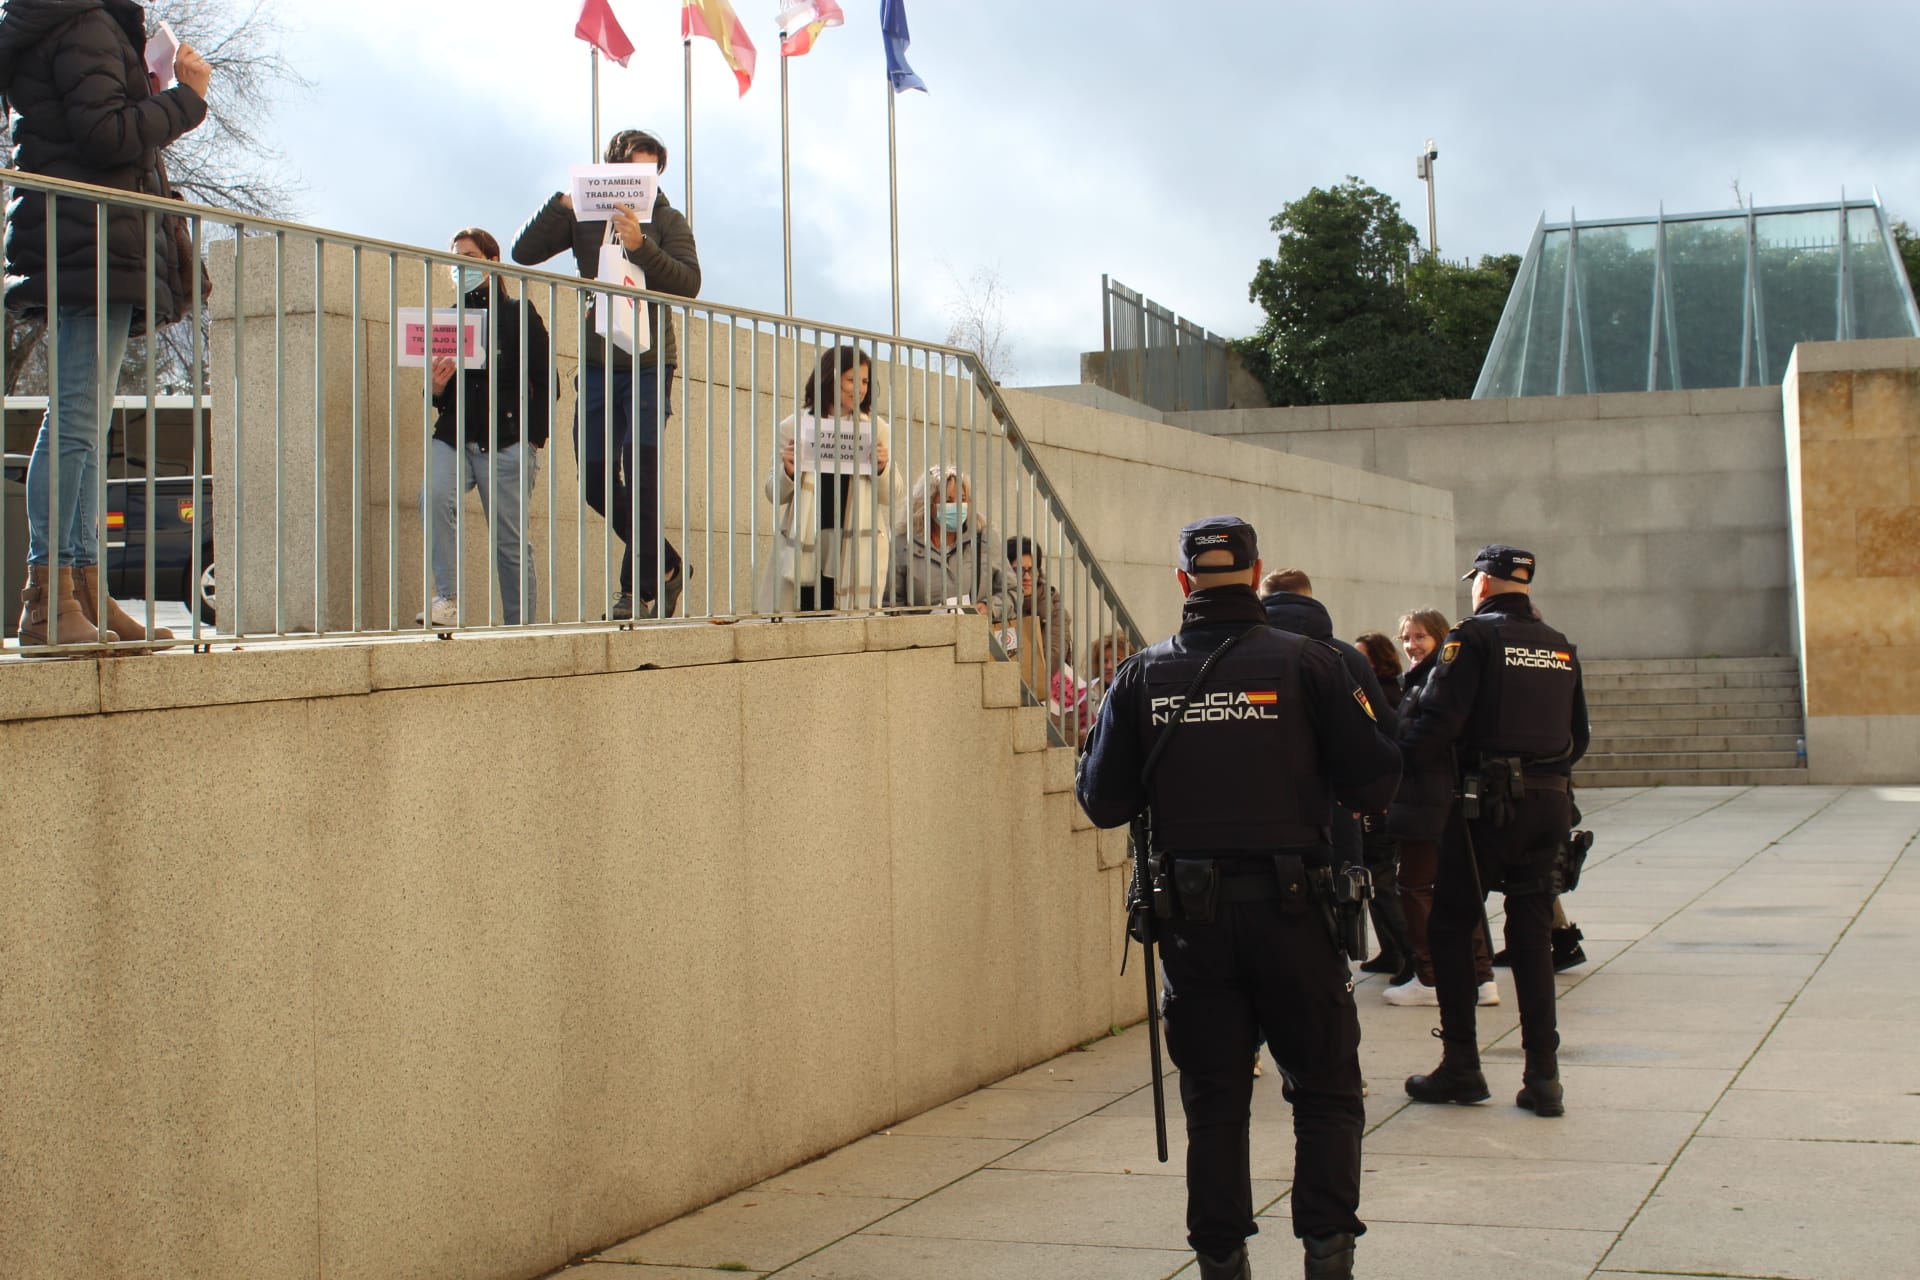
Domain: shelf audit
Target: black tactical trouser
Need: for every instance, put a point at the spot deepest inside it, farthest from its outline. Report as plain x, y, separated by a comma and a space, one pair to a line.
1264, 968
1520, 853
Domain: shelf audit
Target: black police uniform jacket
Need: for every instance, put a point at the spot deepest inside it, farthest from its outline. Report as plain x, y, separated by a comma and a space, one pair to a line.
1277, 735
1506, 684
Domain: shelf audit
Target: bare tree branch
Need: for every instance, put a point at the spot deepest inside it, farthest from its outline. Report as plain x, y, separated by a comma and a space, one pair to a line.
977, 320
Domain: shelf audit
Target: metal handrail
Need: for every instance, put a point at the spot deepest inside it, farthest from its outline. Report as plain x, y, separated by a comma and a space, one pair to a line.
280, 487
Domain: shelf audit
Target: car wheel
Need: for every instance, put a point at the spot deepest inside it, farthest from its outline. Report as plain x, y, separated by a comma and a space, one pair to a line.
204, 600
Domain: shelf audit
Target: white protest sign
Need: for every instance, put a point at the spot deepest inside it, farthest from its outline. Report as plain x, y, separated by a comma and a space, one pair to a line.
599, 188
462, 339
841, 446
162, 47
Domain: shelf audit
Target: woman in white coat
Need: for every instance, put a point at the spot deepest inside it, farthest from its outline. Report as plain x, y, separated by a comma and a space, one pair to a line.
832, 538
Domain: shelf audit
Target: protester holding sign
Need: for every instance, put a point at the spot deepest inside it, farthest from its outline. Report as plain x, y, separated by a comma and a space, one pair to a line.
480, 440
833, 506
606, 425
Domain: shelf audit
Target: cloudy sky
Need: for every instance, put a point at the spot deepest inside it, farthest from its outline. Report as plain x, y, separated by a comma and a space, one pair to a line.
1063, 138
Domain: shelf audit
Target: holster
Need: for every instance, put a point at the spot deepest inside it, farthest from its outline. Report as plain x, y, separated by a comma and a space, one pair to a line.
1569, 860
1342, 895
1493, 789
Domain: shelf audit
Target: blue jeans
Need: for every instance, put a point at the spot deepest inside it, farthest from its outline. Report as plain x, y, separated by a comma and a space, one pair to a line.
591, 430
74, 524
503, 501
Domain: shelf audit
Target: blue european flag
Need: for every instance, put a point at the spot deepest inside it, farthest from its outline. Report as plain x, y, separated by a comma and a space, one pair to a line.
893, 26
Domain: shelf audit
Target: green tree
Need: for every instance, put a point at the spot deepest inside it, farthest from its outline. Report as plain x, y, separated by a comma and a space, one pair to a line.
1908, 241
1352, 319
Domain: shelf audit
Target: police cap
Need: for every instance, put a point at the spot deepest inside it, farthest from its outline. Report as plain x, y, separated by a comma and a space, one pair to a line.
1219, 533
1501, 561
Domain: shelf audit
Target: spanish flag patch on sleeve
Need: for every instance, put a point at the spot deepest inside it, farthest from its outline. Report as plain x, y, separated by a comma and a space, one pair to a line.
1360, 696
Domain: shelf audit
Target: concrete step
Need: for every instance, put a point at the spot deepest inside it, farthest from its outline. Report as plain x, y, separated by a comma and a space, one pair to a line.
1584, 777
1654, 761
1694, 680
1698, 722
1638, 697
1612, 713
1692, 743
1678, 666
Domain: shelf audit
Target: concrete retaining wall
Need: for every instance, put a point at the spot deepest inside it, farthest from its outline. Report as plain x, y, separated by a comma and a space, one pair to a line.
1660, 519
1375, 546
455, 959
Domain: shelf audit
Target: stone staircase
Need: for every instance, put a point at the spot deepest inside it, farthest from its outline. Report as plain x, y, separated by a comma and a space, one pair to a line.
1702, 722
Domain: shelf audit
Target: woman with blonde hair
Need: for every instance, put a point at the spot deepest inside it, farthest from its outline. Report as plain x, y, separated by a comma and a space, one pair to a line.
944, 553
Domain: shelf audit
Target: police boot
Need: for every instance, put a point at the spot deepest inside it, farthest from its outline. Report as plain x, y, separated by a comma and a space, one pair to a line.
1232, 1267
1329, 1257
1456, 1079
1567, 951
1540, 1090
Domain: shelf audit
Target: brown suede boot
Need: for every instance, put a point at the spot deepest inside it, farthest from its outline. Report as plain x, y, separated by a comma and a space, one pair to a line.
86, 584
66, 625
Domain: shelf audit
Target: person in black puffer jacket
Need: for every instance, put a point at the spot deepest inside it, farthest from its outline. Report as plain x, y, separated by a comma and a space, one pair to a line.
1416, 822
1288, 599
84, 108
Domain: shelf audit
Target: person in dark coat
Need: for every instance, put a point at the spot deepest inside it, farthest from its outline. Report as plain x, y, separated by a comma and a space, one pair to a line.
85, 109
608, 423
1287, 596
480, 442
1416, 822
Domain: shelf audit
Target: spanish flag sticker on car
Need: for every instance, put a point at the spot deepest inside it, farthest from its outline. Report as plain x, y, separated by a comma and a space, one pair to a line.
1450, 651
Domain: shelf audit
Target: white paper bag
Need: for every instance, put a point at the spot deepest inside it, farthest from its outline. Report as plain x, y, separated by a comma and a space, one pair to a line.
629, 318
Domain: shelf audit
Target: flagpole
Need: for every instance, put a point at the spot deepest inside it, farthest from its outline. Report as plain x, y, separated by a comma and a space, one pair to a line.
686, 79
786, 188
893, 203
594, 155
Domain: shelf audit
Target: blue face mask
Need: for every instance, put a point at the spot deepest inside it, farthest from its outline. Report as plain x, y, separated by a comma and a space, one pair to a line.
952, 516
472, 278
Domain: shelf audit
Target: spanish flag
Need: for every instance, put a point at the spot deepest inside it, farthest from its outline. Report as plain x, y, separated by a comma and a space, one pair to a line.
801, 23
716, 20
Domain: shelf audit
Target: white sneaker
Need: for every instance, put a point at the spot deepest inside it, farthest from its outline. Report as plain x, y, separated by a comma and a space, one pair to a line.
1415, 992
1489, 993
446, 613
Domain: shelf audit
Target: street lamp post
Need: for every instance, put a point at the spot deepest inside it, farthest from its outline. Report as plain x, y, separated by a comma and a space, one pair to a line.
1423, 169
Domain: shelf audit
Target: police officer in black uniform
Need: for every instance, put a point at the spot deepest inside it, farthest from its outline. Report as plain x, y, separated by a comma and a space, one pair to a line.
1239, 801
1506, 708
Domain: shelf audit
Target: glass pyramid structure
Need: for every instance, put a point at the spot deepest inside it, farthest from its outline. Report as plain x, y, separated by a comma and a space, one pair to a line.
1694, 300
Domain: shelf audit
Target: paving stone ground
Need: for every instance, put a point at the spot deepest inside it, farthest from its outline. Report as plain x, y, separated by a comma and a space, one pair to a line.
1741, 1059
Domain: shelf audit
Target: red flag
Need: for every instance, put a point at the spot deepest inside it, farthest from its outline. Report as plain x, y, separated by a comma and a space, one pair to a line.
802, 21
599, 28
716, 20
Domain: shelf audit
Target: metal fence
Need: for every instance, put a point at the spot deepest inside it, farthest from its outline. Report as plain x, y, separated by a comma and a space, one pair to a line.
1158, 358
785, 490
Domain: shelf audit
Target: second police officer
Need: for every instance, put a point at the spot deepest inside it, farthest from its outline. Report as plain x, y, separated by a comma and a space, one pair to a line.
1505, 707
1269, 736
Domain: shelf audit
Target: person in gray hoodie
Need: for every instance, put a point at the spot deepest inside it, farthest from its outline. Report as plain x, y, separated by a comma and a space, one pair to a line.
943, 550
